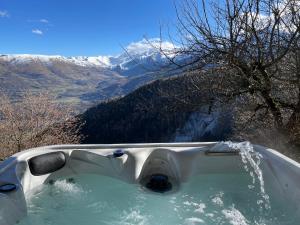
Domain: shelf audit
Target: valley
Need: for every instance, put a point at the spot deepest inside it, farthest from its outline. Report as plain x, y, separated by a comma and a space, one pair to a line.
82, 81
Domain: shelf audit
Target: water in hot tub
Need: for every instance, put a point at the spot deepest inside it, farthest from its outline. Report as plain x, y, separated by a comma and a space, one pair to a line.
205, 199
241, 198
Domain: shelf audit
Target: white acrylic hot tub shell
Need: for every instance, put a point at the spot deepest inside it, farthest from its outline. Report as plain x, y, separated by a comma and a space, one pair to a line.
177, 160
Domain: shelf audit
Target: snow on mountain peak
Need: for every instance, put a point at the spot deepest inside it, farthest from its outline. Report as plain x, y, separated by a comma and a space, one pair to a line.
137, 50
23, 58
101, 61
144, 51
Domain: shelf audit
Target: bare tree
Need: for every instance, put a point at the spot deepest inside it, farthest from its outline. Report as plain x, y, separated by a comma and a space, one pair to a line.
248, 44
34, 121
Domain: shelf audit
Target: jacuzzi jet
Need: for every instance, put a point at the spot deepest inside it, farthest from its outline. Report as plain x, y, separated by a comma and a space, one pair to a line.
51, 182
8, 187
118, 153
70, 180
159, 183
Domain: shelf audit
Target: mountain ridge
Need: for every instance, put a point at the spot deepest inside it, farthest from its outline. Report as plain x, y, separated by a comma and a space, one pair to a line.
141, 50
83, 81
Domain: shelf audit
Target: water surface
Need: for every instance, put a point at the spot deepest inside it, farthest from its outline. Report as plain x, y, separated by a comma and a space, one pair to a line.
206, 199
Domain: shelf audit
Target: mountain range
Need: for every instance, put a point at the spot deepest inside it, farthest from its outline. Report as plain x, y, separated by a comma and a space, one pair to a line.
83, 81
140, 89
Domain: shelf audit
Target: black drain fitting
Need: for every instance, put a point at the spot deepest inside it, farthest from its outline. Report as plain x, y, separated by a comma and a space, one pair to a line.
159, 183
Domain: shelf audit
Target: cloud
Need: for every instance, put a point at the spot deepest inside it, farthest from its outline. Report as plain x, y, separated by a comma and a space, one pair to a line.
152, 45
4, 14
149, 45
37, 31
44, 21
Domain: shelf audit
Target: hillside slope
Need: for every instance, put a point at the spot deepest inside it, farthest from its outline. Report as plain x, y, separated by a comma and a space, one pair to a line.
67, 81
165, 110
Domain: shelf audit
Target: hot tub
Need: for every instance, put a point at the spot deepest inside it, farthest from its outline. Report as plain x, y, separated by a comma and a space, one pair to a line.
180, 183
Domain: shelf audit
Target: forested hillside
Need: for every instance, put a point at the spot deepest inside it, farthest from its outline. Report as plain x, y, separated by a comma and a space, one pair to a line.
157, 112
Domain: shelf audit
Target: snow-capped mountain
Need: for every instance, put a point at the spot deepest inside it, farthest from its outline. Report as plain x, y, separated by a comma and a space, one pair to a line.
98, 61
83, 79
142, 57
144, 52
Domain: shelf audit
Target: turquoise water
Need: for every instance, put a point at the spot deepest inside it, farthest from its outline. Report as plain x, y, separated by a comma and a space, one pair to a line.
207, 199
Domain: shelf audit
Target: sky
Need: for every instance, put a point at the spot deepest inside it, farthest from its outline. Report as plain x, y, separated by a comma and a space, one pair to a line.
80, 27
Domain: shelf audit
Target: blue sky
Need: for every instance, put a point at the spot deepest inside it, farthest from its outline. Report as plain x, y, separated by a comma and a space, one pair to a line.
79, 27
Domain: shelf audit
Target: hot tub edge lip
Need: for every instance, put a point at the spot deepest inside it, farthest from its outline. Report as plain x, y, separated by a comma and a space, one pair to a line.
26, 154
23, 155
